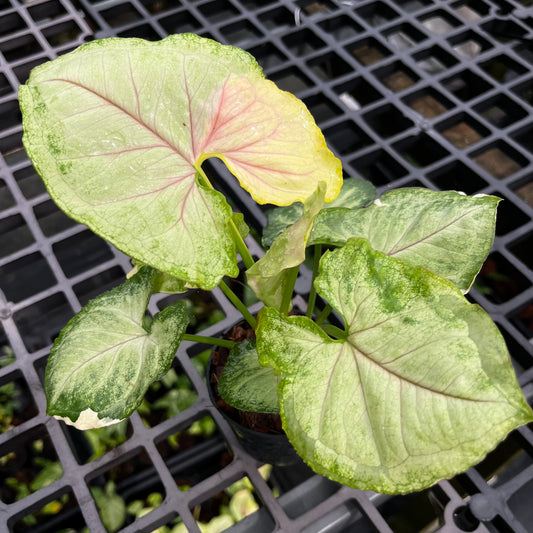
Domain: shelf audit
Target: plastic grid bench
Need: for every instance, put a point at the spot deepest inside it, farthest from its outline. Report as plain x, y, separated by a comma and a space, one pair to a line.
408, 93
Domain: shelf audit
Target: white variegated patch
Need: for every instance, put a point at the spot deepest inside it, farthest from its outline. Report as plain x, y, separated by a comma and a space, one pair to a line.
88, 419
379, 203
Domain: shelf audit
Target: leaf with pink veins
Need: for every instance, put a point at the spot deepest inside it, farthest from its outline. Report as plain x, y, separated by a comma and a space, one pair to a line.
119, 128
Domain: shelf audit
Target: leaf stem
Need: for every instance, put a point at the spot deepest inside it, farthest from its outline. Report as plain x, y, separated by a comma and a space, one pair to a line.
209, 340
324, 314
234, 299
288, 290
334, 331
247, 258
317, 250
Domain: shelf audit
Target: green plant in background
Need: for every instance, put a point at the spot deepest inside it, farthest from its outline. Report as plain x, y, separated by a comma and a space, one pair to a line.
175, 394
7, 356
9, 393
236, 502
106, 438
39, 474
9, 404
405, 384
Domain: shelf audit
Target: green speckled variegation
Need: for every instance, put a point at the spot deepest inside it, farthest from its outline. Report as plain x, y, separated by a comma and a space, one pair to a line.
446, 232
119, 129
104, 359
421, 389
245, 384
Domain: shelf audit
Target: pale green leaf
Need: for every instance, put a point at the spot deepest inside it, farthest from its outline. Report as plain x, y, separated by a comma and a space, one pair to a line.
268, 277
111, 506
446, 232
242, 504
279, 219
104, 359
355, 192
245, 384
421, 389
51, 471
135, 507
218, 524
119, 129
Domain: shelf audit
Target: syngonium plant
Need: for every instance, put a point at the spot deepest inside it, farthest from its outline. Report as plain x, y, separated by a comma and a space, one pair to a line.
392, 384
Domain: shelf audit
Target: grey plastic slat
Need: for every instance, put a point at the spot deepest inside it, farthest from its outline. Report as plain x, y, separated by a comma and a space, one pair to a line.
412, 92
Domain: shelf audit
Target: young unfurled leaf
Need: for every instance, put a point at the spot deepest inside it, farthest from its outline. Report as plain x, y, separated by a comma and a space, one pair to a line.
245, 384
421, 389
445, 232
268, 276
104, 359
355, 192
119, 129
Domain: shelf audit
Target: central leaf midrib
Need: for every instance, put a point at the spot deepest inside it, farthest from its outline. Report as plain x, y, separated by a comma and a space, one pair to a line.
356, 350
428, 236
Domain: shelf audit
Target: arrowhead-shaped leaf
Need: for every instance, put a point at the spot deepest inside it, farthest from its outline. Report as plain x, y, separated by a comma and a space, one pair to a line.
421, 389
268, 276
245, 384
104, 359
445, 232
119, 128
355, 192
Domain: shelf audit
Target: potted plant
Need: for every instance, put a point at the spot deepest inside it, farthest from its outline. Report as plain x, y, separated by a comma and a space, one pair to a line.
404, 384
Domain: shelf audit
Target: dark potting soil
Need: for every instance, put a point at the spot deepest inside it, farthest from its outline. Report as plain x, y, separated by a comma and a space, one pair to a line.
260, 422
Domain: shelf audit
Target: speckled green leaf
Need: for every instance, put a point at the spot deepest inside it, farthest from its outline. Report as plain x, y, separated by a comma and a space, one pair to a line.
355, 192
163, 282
245, 384
167, 284
119, 128
421, 389
104, 359
279, 219
446, 232
112, 507
240, 224
268, 276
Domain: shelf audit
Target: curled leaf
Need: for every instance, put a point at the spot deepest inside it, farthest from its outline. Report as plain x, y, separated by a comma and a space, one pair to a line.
105, 358
269, 276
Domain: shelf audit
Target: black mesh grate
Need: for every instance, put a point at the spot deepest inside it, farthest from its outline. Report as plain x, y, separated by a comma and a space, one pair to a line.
412, 92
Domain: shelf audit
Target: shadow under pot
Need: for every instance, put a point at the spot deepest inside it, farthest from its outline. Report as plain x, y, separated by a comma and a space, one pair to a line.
260, 434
